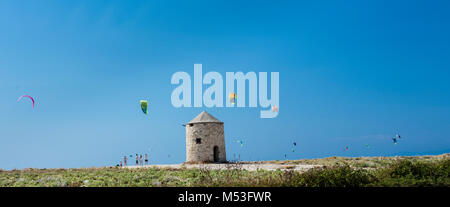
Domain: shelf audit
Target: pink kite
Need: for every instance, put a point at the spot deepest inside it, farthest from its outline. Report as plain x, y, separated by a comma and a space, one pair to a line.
274, 108
27, 97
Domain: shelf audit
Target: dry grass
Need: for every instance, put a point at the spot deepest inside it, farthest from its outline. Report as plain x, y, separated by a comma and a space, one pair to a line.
357, 162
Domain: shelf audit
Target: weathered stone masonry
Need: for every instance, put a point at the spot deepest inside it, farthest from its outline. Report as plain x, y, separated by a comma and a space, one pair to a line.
203, 134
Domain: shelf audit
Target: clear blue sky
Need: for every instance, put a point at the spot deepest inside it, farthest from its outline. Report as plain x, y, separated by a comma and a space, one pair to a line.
351, 73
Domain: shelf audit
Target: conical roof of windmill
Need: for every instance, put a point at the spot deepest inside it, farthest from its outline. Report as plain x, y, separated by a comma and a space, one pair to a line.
204, 117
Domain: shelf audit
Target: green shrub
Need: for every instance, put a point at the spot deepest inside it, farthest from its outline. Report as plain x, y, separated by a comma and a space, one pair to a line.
337, 176
417, 173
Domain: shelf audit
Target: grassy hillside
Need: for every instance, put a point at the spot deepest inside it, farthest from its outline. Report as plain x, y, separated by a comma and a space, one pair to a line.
337, 171
360, 162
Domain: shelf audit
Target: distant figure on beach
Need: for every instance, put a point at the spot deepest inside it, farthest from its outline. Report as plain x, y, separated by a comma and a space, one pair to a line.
120, 163
140, 160
137, 159
125, 160
146, 159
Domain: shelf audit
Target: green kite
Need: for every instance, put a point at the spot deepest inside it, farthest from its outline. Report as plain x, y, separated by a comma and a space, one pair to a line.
144, 106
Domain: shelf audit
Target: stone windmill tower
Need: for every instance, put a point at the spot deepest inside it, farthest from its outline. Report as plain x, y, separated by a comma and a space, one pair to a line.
205, 140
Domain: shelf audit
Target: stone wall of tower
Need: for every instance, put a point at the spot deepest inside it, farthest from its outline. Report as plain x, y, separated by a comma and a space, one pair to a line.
211, 134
